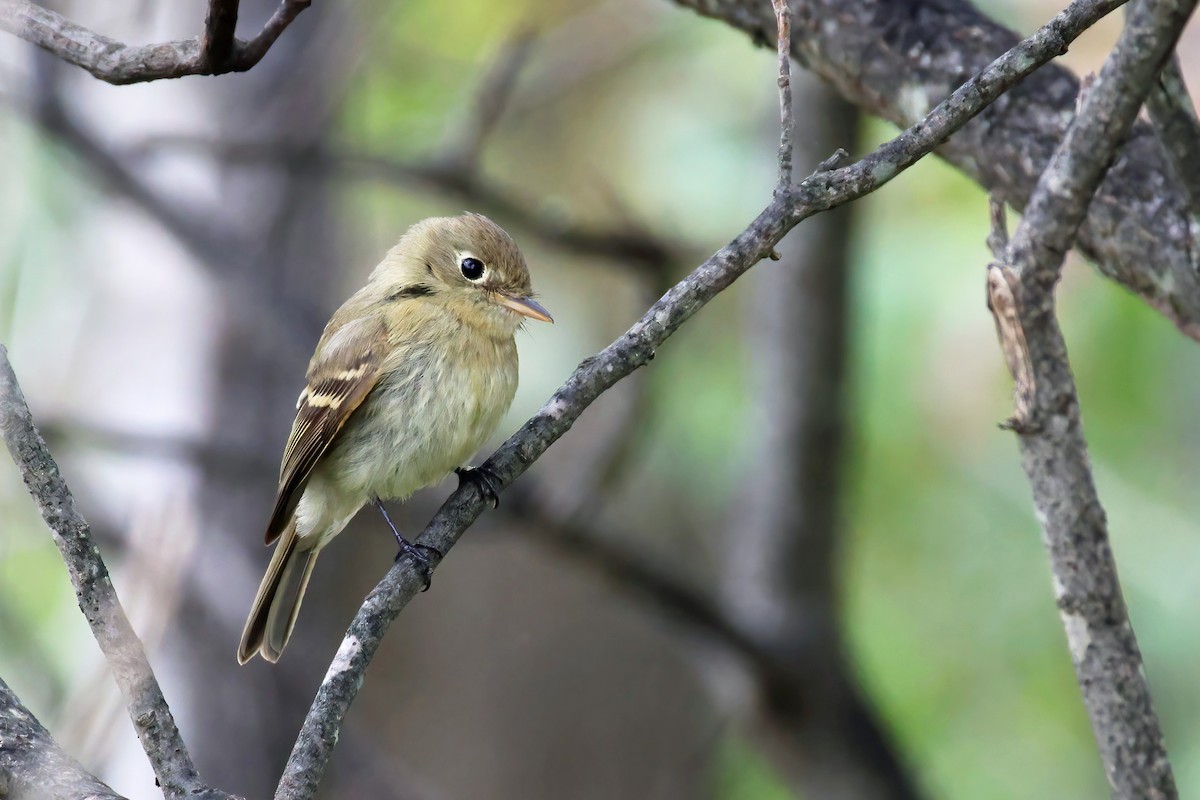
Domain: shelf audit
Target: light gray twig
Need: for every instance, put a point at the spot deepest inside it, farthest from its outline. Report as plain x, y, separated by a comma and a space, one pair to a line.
1054, 453
96, 596
783, 46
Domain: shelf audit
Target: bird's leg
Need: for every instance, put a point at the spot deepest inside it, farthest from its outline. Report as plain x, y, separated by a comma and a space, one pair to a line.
415, 551
484, 479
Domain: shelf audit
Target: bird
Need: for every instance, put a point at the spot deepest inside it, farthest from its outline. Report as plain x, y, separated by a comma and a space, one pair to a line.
411, 375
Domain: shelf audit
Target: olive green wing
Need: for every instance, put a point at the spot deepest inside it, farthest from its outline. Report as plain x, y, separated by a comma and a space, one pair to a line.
339, 379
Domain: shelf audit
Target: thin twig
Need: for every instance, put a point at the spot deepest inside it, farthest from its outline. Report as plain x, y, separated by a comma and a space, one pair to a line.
783, 45
636, 348
33, 766
625, 245
1104, 649
95, 593
118, 63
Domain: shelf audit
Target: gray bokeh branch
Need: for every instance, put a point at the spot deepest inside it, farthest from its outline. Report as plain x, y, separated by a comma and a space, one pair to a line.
1054, 452
819, 192
897, 58
33, 766
96, 596
214, 52
454, 171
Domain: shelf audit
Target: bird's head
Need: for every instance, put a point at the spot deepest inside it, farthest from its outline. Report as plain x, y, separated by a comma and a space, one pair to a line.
469, 264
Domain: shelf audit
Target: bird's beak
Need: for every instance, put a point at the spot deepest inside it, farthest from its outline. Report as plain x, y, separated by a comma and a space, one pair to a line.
525, 306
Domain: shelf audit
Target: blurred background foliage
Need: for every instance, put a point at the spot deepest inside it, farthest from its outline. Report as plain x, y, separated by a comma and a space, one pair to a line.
637, 110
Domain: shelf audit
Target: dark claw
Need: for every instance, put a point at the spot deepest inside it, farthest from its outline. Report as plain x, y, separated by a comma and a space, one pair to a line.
418, 554
484, 479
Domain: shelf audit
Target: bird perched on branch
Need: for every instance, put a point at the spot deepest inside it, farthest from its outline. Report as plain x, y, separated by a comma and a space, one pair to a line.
410, 377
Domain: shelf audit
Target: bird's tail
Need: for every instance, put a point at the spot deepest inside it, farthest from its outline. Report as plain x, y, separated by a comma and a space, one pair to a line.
277, 603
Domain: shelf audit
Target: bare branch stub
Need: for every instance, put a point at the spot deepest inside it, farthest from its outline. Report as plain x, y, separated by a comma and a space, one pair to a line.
635, 348
1054, 451
1003, 291
216, 43
215, 52
96, 596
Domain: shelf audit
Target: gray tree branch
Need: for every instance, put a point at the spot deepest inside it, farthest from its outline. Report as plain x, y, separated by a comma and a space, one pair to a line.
96, 596
819, 192
1174, 116
214, 52
1054, 452
33, 766
898, 58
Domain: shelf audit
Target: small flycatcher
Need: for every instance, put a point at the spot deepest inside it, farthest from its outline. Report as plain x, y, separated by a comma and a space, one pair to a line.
410, 377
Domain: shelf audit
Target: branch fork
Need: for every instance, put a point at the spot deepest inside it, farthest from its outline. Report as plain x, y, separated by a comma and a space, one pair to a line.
216, 51
1021, 286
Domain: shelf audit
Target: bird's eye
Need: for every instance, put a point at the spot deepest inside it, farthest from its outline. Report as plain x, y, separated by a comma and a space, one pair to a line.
472, 268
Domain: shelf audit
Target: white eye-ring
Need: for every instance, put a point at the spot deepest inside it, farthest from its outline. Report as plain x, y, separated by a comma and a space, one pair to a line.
472, 268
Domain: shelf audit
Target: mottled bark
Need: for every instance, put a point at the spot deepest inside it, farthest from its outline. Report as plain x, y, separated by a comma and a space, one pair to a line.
213, 53
33, 766
94, 592
897, 58
1048, 423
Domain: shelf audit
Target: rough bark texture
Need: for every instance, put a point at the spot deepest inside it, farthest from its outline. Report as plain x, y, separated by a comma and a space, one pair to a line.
213, 53
1104, 650
94, 591
1174, 116
33, 766
897, 58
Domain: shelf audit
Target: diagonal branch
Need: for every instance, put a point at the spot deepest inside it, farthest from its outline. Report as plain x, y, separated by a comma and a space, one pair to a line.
96, 596
897, 58
1054, 453
819, 192
642, 250
216, 52
33, 766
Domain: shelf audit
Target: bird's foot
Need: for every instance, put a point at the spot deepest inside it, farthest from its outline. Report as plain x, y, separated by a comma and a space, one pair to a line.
485, 481
419, 553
